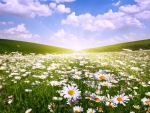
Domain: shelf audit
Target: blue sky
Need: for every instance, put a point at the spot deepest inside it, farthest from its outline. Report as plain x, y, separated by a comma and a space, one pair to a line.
75, 24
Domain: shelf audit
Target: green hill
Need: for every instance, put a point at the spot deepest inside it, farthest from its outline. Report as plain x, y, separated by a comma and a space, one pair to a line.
28, 47
135, 45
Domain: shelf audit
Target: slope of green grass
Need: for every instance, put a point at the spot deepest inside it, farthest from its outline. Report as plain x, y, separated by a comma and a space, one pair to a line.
27, 47
136, 45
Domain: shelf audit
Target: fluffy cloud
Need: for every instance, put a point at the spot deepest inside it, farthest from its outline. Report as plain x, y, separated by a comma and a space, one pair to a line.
5, 23
143, 15
52, 5
71, 41
108, 21
133, 37
20, 29
58, 36
2, 23
140, 11
117, 3
10, 22
130, 9
24, 8
59, 8
127, 38
62, 9
19, 33
61, 38
58, 1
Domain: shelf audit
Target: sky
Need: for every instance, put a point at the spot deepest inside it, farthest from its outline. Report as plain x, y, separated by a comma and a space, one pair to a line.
75, 24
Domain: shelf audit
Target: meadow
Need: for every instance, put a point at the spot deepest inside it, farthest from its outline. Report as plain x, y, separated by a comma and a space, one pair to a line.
134, 45
8, 46
108, 82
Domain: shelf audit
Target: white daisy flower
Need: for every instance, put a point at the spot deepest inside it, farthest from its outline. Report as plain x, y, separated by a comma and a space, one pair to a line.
97, 98
77, 109
136, 106
111, 105
148, 94
90, 110
51, 107
145, 101
121, 99
28, 111
70, 92
72, 102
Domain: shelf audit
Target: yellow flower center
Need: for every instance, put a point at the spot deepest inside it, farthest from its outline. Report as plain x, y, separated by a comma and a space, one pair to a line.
102, 77
88, 75
72, 103
105, 85
148, 110
119, 99
100, 109
50, 107
148, 102
97, 99
110, 105
136, 107
41, 67
89, 96
77, 111
71, 92
90, 112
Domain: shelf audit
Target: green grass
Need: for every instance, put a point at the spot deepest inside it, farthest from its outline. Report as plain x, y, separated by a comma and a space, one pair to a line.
27, 47
128, 72
8, 46
136, 45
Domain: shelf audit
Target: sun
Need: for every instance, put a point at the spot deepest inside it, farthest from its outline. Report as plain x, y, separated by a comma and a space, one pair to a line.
77, 49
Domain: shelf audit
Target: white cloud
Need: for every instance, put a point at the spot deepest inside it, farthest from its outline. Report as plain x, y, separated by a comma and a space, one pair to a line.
10, 22
122, 39
58, 1
130, 9
63, 39
58, 36
82, 43
108, 21
143, 4
60, 33
130, 37
62, 9
117, 3
19, 33
2, 23
133, 37
141, 10
5, 23
143, 15
52, 5
43, 0
20, 29
24, 8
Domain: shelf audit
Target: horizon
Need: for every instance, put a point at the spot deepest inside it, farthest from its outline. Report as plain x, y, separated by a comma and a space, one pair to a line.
74, 24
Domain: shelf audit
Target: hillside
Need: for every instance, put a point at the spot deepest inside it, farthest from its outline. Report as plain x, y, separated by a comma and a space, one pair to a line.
135, 45
27, 47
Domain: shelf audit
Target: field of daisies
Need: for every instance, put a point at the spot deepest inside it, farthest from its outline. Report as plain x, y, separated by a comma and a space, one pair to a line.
115, 82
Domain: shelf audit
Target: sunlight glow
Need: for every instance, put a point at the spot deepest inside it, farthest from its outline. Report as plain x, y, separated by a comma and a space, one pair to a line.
77, 49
